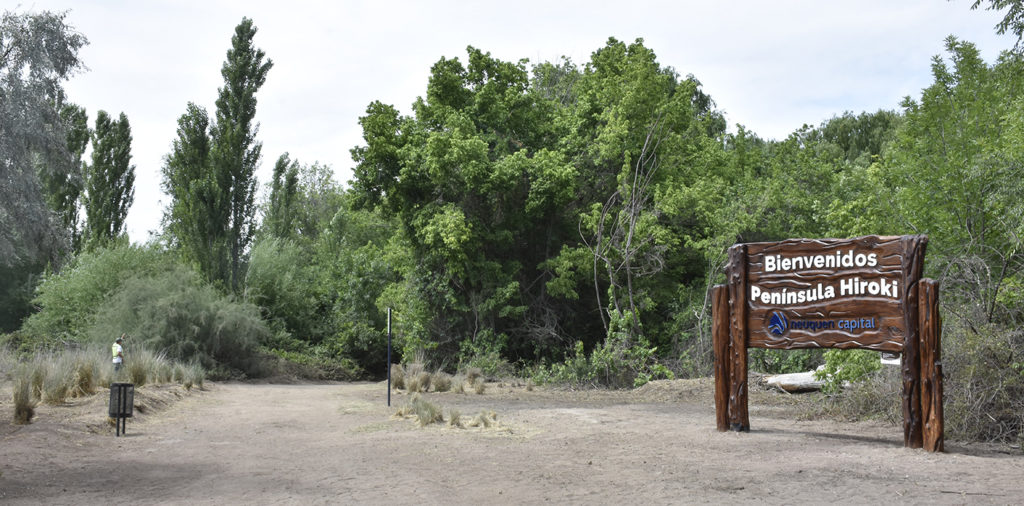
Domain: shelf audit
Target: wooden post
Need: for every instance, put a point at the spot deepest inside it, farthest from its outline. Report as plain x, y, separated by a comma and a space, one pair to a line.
739, 419
913, 265
720, 342
931, 365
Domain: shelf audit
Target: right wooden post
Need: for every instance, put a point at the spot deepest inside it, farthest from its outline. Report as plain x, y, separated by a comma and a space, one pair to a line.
930, 350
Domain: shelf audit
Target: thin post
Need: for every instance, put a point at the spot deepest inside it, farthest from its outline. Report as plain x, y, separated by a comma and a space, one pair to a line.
389, 356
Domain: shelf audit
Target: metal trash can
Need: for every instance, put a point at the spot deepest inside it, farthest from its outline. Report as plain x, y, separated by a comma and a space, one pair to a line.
122, 399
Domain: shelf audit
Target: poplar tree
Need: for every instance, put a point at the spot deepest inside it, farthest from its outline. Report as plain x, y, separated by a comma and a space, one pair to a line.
235, 152
210, 172
110, 180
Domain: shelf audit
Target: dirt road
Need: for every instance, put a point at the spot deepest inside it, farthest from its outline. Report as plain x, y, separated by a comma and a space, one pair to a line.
339, 444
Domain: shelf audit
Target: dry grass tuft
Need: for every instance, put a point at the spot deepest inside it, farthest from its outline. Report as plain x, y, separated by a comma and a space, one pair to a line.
442, 381
397, 376
24, 405
473, 374
424, 379
484, 419
455, 418
479, 386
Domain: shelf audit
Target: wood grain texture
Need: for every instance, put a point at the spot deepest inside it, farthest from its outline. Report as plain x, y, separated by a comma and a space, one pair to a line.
888, 332
737, 276
720, 342
930, 329
913, 265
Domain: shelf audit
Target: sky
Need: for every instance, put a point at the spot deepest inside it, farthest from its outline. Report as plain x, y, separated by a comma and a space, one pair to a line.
771, 66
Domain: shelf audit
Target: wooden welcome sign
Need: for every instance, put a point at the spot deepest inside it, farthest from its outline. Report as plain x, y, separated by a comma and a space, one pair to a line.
864, 293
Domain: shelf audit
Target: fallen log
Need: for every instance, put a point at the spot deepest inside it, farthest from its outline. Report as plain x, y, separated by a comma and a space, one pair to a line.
794, 382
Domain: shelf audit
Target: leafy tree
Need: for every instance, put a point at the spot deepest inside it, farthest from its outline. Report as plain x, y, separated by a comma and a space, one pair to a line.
280, 215
1013, 20
479, 188
210, 172
40, 174
110, 180
37, 53
234, 151
64, 189
957, 142
195, 218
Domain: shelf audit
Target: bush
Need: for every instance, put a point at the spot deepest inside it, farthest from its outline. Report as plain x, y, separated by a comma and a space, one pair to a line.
984, 383
847, 366
613, 364
185, 318
71, 298
770, 361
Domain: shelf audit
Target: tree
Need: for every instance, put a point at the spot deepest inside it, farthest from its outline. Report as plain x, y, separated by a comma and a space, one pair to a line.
110, 180
281, 211
64, 189
210, 173
39, 175
235, 153
37, 53
1013, 21
195, 219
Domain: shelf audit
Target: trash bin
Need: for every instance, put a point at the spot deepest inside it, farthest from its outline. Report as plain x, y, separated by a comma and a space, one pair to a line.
122, 397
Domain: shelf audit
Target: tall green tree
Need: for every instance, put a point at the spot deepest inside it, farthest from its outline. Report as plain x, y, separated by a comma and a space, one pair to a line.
110, 180
210, 172
235, 152
195, 220
64, 189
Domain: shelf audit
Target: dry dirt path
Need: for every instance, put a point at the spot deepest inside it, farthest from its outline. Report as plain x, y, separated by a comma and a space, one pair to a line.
338, 444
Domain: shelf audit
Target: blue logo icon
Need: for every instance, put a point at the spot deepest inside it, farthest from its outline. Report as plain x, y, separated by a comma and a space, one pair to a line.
778, 324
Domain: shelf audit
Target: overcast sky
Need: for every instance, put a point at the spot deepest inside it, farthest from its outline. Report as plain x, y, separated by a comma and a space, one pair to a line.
771, 66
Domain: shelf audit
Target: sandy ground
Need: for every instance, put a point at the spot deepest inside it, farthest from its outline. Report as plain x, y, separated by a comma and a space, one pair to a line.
341, 444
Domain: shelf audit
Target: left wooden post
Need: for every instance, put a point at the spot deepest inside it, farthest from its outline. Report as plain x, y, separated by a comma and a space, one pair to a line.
739, 419
720, 343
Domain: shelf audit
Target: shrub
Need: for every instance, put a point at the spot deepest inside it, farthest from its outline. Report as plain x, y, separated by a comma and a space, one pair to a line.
186, 319
984, 383
614, 364
70, 299
846, 366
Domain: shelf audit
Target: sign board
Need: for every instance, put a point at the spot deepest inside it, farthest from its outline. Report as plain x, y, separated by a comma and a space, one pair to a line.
831, 293
866, 292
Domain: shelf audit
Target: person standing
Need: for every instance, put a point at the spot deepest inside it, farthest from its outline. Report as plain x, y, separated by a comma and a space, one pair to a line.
118, 351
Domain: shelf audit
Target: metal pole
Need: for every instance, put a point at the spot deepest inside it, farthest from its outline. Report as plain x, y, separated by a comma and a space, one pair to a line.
389, 357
